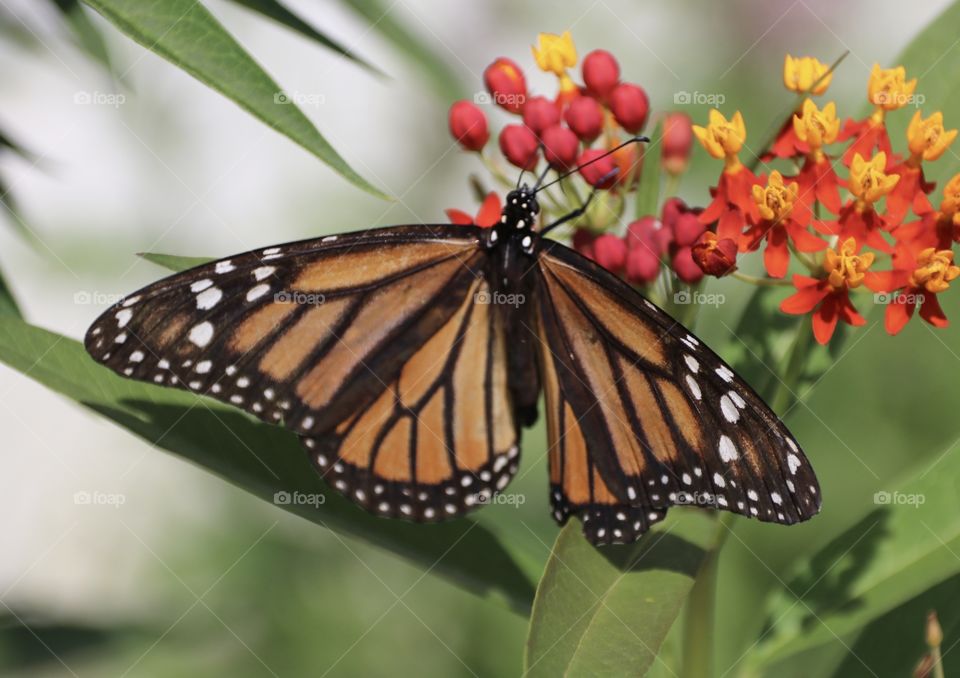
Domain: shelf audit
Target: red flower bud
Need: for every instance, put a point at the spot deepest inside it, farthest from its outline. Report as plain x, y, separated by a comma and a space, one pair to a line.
560, 147
685, 267
601, 73
599, 174
540, 113
506, 84
630, 107
643, 266
677, 142
683, 222
715, 257
519, 145
468, 125
582, 241
610, 252
647, 233
585, 117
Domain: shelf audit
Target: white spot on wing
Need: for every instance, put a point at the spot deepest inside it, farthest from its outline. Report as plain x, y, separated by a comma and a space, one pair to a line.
224, 266
694, 387
725, 373
200, 285
263, 272
257, 292
123, 317
728, 451
793, 461
730, 411
201, 334
209, 298
692, 363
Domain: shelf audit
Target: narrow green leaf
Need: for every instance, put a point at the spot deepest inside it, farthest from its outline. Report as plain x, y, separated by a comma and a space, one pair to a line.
88, 36
648, 190
904, 547
8, 304
279, 13
174, 262
607, 611
382, 19
187, 35
262, 459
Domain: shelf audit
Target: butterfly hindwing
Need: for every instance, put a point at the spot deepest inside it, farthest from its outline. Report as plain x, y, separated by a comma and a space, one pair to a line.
667, 422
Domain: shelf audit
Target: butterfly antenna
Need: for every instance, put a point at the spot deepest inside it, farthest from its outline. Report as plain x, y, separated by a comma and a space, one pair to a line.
576, 169
540, 179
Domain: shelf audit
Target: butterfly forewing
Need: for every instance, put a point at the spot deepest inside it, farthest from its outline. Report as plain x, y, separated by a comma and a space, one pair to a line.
666, 421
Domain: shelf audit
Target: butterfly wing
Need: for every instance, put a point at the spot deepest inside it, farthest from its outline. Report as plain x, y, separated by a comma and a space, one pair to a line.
663, 419
318, 335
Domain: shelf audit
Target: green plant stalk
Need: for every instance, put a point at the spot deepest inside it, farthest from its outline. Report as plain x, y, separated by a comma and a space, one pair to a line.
937, 662
796, 359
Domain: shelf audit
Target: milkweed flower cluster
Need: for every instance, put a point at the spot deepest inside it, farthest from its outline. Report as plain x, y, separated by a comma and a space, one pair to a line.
836, 203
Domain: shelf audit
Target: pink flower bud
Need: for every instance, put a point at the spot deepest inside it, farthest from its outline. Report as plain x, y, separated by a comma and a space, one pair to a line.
677, 142
468, 125
519, 145
630, 106
506, 84
601, 73
685, 267
647, 233
683, 222
599, 174
585, 117
540, 113
560, 147
610, 252
643, 266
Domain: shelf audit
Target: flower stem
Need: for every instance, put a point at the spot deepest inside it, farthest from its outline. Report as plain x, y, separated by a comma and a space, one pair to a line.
762, 282
796, 359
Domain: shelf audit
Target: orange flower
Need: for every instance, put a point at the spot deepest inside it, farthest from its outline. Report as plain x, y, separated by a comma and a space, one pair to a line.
919, 282
723, 138
487, 216
778, 227
858, 219
806, 75
828, 298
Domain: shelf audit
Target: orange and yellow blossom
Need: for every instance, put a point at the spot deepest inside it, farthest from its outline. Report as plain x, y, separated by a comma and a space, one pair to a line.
723, 138
555, 54
869, 180
805, 75
927, 138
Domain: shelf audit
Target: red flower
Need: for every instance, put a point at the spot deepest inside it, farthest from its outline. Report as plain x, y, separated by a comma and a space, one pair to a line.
506, 84
601, 73
630, 106
918, 279
560, 147
519, 145
910, 193
715, 257
487, 216
733, 203
817, 181
647, 241
685, 227
677, 142
585, 117
867, 135
599, 174
828, 298
778, 226
539, 114
468, 125
610, 252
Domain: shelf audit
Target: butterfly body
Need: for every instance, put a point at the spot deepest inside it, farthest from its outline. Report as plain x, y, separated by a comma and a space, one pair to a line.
408, 359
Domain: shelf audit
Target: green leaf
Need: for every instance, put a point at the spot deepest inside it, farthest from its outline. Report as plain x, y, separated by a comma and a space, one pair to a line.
174, 262
380, 17
87, 34
648, 190
607, 611
8, 304
187, 35
262, 459
279, 13
933, 56
895, 553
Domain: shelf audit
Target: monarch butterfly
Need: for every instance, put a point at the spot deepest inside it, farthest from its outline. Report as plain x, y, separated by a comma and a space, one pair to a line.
407, 359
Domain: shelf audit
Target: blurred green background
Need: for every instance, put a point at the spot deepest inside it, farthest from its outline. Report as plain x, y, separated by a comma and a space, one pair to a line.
185, 574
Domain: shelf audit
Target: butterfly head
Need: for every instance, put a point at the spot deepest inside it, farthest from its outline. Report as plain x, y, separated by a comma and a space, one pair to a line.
521, 209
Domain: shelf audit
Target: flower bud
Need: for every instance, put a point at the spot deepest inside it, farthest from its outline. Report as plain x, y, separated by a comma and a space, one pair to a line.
610, 252
715, 257
599, 174
643, 266
585, 117
685, 267
468, 125
506, 84
560, 147
601, 73
682, 222
677, 142
630, 106
582, 241
648, 233
519, 145
540, 113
